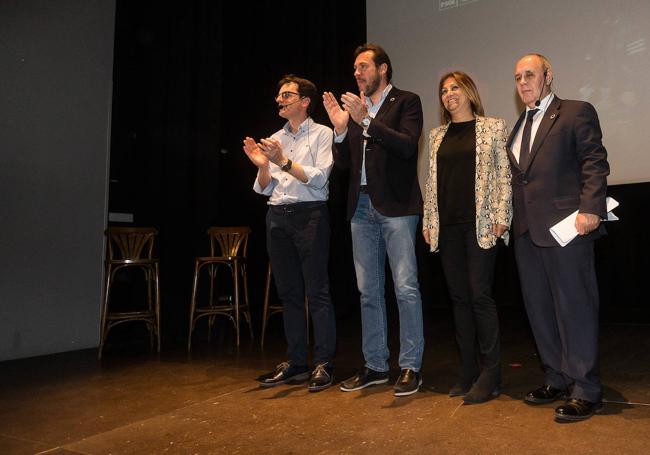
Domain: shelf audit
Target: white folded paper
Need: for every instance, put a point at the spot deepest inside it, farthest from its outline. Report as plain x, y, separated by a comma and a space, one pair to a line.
565, 230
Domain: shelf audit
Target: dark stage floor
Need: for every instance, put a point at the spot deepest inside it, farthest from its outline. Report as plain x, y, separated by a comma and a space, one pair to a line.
208, 402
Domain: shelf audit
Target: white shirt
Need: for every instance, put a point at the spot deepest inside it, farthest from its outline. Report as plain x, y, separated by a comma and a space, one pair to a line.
311, 147
372, 112
537, 119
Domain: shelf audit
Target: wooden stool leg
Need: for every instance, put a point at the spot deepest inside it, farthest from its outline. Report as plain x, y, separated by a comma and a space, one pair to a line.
195, 281
150, 284
235, 272
212, 273
247, 313
157, 310
104, 317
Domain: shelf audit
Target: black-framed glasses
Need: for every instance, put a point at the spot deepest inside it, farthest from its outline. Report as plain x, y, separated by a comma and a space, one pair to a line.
286, 95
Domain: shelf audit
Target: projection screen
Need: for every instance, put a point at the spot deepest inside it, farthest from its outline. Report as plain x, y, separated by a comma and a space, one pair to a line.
597, 49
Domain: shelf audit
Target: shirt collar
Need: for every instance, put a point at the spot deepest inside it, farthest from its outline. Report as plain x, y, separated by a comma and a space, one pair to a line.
304, 126
384, 94
543, 104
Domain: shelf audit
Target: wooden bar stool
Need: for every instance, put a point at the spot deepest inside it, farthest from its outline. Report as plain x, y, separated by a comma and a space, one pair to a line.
131, 248
269, 310
228, 247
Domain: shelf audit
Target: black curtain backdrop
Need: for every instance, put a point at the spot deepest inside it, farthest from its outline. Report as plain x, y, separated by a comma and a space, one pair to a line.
623, 257
192, 79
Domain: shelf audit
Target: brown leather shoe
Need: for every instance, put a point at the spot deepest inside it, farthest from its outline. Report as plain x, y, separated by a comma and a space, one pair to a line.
545, 394
576, 409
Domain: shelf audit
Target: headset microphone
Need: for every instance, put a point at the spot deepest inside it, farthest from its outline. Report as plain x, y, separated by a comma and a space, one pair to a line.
280, 106
539, 99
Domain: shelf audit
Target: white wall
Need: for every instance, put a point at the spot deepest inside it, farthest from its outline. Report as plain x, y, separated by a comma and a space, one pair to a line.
55, 97
598, 48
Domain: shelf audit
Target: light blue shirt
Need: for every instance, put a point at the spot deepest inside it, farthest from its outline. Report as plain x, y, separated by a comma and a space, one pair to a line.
372, 112
311, 147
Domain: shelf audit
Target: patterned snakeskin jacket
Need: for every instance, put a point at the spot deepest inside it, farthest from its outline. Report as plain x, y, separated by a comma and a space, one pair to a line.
492, 182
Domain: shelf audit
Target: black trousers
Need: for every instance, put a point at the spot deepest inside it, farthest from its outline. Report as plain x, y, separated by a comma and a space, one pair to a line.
298, 238
469, 272
560, 293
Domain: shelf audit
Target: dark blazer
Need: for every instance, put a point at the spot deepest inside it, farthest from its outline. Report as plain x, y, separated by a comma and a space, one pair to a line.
391, 156
567, 171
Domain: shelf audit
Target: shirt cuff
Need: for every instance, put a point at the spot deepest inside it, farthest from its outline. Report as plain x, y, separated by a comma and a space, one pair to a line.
338, 138
314, 177
264, 191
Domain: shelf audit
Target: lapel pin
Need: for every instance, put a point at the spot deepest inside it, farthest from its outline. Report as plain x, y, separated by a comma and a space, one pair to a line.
552, 116
392, 99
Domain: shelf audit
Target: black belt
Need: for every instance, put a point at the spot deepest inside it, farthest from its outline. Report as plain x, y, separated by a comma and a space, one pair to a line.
296, 207
363, 189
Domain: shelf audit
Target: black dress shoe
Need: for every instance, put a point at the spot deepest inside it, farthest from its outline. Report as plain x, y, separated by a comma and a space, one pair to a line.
321, 377
545, 394
283, 373
408, 383
364, 378
576, 409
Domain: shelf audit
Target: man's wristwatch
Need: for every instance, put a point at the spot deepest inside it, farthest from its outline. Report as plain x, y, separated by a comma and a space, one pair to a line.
365, 122
287, 166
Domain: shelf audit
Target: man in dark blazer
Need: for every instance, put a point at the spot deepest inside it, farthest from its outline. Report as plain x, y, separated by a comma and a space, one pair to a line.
559, 166
376, 137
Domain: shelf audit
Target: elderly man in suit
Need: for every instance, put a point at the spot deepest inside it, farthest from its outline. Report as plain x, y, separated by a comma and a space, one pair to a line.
376, 137
559, 165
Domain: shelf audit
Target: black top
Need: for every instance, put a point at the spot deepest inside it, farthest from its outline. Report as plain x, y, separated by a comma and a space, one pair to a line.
456, 170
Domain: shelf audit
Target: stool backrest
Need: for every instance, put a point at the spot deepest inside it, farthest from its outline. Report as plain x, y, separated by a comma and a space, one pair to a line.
229, 241
130, 244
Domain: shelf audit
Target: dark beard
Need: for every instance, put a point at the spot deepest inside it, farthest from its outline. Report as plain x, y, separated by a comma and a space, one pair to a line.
372, 86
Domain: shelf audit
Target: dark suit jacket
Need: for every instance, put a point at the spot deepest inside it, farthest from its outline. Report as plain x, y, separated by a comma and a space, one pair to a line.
567, 171
391, 156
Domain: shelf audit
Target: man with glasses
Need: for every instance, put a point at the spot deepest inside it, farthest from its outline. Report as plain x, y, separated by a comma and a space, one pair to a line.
294, 165
377, 135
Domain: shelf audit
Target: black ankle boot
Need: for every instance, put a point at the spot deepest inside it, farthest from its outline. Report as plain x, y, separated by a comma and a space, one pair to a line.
486, 387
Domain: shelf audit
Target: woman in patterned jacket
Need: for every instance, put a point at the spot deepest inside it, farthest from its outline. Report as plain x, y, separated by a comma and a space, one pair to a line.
467, 208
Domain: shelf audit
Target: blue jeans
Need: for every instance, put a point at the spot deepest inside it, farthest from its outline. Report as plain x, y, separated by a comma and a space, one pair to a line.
373, 236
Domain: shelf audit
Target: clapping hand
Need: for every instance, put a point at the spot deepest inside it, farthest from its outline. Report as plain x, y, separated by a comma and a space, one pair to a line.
272, 149
254, 153
338, 116
355, 105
